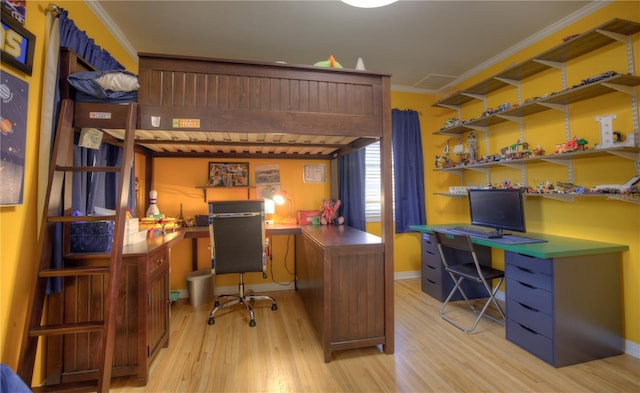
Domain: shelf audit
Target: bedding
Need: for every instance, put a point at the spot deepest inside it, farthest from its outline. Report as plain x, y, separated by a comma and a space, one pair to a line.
105, 86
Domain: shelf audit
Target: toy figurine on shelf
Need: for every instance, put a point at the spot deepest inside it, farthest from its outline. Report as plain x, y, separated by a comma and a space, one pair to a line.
471, 142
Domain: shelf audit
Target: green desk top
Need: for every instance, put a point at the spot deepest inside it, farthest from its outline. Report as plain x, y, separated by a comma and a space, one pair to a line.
554, 247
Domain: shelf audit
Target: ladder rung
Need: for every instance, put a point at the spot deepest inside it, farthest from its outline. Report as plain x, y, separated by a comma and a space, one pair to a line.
79, 218
71, 387
75, 271
67, 328
87, 168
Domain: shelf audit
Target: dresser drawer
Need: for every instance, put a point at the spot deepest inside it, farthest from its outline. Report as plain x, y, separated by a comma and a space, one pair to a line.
432, 271
157, 261
532, 264
529, 277
533, 319
429, 243
536, 298
528, 339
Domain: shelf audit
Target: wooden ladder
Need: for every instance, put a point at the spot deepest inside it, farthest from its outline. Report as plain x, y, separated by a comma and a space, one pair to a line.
58, 212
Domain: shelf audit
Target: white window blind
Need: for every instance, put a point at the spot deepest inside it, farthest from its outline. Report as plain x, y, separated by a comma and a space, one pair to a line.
372, 197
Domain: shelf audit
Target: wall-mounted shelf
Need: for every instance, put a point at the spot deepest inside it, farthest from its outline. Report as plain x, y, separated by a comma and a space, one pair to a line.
614, 30
565, 197
620, 83
205, 188
628, 152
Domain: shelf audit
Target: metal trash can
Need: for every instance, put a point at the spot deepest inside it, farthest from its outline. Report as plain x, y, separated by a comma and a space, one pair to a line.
201, 285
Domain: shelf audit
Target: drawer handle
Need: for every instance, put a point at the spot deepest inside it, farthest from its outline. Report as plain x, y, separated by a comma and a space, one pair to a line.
528, 307
159, 261
430, 253
432, 282
528, 329
431, 267
524, 269
526, 285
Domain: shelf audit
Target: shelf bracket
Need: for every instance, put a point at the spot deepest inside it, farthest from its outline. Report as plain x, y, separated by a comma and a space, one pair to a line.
616, 36
452, 107
511, 82
476, 96
553, 64
631, 90
558, 107
515, 119
481, 129
557, 161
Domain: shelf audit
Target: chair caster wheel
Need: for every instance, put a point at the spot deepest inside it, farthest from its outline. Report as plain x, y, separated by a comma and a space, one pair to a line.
252, 323
274, 307
211, 321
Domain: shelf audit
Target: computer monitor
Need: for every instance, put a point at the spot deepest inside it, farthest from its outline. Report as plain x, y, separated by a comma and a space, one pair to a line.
500, 209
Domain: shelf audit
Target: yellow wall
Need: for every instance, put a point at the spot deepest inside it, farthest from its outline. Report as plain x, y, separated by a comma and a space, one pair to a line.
604, 220
18, 244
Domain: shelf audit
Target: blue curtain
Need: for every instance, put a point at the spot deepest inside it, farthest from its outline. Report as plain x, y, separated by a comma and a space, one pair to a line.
78, 41
351, 177
408, 169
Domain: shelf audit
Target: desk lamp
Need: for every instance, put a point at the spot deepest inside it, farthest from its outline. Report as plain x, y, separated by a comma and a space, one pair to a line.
279, 198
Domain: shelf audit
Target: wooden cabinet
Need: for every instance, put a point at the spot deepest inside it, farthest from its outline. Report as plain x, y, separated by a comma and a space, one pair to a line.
614, 32
341, 279
436, 282
142, 325
564, 310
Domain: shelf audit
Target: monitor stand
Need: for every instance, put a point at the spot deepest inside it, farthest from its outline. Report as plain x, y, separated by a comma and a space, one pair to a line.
496, 235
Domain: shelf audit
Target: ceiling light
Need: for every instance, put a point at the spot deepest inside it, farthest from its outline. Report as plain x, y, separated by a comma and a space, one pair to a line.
368, 3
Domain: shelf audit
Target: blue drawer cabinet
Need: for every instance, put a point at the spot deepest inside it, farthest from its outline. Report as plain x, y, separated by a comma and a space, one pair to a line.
564, 310
436, 282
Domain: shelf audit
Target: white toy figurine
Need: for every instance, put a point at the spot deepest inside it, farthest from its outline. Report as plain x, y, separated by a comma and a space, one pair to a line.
609, 137
153, 207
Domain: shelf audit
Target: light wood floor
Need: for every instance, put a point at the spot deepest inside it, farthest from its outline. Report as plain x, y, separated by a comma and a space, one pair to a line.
282, 354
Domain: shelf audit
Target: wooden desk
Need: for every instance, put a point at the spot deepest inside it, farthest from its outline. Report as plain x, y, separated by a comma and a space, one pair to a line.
339, 273
341, 279
562, 296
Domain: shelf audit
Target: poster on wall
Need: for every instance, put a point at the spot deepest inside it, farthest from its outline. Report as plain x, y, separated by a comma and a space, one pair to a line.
14, 94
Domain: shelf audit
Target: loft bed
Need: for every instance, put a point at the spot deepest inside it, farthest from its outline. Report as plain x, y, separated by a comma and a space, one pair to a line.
197, 107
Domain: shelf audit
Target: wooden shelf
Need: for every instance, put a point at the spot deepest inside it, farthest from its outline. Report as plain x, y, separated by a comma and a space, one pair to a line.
622, 83
205, 188
627, 152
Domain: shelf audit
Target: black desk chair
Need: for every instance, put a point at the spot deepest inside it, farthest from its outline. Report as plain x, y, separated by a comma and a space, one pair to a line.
472, 271
238, 245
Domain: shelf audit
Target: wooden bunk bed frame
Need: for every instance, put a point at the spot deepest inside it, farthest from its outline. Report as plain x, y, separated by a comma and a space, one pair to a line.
198, 107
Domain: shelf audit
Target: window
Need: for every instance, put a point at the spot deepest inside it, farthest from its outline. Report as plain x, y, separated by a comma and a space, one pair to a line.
372, 198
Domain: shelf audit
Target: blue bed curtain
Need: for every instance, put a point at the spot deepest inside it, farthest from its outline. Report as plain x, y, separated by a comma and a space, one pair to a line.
408, 170
89, 190
351, 177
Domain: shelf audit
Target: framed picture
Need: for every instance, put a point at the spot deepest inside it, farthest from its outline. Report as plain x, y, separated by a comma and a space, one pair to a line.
18, 44
315, 173
228, 174
14, 97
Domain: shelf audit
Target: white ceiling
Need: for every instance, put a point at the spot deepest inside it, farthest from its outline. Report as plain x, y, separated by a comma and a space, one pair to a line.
424, 45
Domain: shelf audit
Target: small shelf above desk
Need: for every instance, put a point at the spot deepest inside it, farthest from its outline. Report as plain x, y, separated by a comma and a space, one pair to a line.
205, 188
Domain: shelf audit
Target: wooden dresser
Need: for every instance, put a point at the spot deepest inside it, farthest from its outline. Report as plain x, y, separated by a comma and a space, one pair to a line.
143, 320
